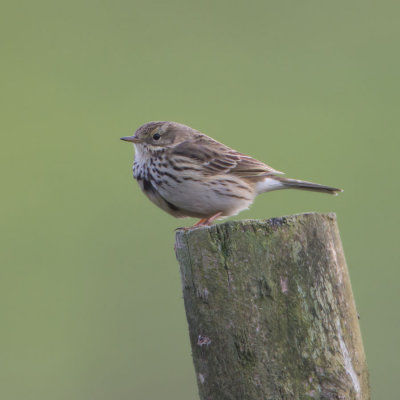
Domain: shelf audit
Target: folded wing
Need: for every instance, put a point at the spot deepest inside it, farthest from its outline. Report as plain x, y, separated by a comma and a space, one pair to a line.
216, 158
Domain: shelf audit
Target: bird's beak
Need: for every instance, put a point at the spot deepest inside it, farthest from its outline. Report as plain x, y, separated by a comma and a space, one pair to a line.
133, 139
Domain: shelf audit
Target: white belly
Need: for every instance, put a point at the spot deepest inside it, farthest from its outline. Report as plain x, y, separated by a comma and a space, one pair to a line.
204, 199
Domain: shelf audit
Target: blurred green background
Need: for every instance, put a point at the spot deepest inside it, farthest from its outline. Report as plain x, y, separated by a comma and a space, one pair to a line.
90, 291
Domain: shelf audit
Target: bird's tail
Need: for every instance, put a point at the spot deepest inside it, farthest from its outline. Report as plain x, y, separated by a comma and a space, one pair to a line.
278, 182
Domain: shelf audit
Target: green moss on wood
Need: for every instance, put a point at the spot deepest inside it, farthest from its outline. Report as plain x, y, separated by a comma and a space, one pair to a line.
274, 301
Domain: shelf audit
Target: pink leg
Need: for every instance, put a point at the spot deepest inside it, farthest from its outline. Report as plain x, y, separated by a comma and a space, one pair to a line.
198, 223
207, 221
203, 222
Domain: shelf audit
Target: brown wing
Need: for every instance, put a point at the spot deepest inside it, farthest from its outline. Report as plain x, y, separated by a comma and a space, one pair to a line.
216, 158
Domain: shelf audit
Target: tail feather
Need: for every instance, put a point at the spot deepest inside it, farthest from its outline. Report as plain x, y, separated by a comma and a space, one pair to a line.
304, 185
277, 182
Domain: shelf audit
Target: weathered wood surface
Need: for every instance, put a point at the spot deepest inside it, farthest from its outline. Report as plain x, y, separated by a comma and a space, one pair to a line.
270, 310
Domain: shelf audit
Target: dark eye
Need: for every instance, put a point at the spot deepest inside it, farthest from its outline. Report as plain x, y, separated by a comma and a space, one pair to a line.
156, 136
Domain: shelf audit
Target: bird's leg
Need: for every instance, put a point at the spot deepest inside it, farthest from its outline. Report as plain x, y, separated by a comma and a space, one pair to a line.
199, 223
203, 222
208, 221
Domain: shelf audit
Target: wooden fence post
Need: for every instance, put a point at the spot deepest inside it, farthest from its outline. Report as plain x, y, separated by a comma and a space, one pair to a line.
270, 310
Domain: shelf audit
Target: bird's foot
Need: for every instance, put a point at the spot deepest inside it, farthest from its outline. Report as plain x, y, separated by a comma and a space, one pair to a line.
203, 222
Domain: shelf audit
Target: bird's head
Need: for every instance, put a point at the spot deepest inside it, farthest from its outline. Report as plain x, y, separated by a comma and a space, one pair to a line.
161, 134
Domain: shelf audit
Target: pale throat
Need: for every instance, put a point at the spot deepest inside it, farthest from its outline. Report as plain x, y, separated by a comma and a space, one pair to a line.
144, 153
141, 155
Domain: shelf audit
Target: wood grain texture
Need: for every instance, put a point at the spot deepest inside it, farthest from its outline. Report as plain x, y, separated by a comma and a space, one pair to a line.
270, 310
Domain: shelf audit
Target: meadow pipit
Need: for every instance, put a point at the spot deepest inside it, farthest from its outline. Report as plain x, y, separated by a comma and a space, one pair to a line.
188, 174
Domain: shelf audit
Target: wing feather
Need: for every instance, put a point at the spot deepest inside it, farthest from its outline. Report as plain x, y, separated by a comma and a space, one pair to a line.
215, 158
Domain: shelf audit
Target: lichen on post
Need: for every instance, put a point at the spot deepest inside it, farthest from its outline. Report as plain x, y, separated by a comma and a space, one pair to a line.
270, 310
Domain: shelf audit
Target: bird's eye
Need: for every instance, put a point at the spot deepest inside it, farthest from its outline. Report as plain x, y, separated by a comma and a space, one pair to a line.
156, 136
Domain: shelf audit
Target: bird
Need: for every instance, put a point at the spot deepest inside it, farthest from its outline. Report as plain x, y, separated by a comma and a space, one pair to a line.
188, 174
